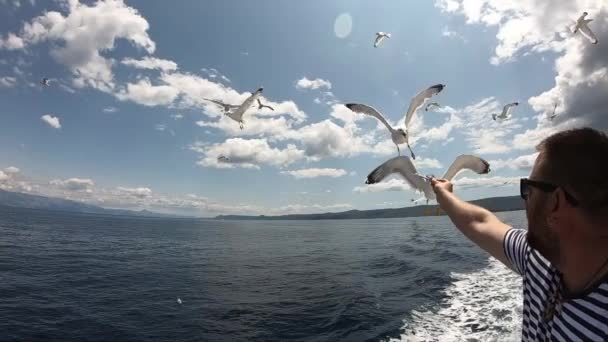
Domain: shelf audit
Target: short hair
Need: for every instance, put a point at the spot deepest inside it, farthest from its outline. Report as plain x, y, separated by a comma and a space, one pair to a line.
577, 160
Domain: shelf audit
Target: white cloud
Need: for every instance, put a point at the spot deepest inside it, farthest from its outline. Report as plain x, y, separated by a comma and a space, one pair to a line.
525, 162
582, 76
12, 42
245, 153
176, 116
315, 173
74, 184
446, 32
3, 176
428, 163
317, 83
110, 110
194, 89
7, 82
144, 93
138, 193
484, 182
11, 170
52, 121
273, 128
392, 184
151, 63
523, 24
83, 34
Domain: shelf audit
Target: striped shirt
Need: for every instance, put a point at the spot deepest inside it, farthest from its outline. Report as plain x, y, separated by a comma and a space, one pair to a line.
545, 316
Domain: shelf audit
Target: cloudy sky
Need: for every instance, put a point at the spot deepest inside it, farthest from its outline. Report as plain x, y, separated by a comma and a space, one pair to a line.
124, 122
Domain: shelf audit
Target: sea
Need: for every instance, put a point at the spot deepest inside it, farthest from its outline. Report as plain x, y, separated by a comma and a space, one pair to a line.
78, 277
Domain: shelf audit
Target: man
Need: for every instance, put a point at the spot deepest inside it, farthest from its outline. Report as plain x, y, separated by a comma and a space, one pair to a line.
563, 256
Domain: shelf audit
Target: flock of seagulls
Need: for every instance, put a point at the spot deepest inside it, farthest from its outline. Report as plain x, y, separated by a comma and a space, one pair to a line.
400, 165
404, 166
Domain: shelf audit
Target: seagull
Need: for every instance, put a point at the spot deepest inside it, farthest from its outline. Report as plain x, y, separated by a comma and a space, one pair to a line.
404, 166
380, 36
581, 24
45, 82
398, 135
223, 159
261, 106
179, 300
237, 115
506, 111
432, 104
225, 107
553, 115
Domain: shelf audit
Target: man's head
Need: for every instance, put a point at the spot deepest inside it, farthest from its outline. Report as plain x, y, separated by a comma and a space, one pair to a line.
571, 202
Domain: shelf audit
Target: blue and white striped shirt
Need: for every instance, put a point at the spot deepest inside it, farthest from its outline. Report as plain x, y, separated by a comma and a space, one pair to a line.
545, 317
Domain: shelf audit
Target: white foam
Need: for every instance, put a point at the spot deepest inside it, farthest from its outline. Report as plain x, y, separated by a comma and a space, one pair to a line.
484, 306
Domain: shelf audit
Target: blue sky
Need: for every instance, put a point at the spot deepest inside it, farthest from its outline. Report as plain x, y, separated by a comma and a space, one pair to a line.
128, 78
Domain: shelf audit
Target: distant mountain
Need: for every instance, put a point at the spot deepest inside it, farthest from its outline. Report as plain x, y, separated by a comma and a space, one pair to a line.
494, 204
17, 199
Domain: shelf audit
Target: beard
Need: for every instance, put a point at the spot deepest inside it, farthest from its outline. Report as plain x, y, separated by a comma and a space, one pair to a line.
541, 238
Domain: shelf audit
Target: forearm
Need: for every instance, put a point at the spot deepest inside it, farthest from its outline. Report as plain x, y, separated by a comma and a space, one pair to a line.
476, 223
463, 214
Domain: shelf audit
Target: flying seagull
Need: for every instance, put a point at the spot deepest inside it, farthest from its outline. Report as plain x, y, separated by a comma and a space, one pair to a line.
179, 300
430, 105
553, 115
262, 106
45, 82
380, 36
404, 166
398, 135
223, 159
225, 107
582, 25
237, 115
506, 111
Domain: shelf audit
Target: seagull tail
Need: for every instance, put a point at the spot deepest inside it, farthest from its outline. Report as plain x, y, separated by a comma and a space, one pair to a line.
494, 117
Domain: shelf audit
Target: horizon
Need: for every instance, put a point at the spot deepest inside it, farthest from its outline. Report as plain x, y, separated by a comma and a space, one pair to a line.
123, 123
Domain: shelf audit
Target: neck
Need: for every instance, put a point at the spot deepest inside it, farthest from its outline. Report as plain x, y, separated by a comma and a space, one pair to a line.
583, 263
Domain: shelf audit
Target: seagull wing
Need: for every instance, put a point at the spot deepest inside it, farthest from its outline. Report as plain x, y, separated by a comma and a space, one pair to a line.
467, 162
219, 103
432, 104
586, 31
238, 113
507, 109
368, 110
401, 165
379, 39
419, 100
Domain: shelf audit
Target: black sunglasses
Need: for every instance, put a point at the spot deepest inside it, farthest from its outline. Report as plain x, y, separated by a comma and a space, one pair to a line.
525, 184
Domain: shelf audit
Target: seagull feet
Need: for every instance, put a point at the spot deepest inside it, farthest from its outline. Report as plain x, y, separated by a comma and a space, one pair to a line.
241, 125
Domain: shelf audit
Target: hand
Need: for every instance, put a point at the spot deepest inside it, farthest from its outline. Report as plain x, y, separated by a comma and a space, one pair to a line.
441, 185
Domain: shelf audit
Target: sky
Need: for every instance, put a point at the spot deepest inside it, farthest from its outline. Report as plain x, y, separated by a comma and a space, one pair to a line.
124, 122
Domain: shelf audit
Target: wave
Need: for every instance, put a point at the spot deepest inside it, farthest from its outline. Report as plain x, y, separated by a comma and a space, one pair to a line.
485, 305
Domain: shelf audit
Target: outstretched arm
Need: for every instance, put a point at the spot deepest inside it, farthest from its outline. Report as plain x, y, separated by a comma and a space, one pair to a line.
476, 223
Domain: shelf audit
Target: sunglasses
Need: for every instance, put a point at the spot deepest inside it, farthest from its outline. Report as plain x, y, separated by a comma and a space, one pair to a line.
525, 184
